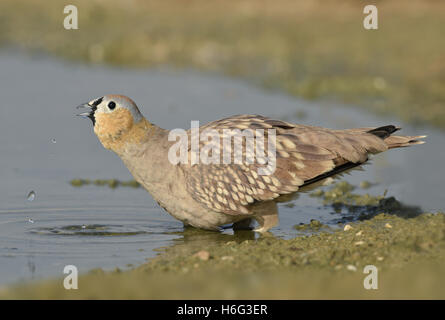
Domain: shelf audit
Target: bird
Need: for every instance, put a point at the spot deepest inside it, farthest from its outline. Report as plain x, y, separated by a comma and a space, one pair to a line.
215, 195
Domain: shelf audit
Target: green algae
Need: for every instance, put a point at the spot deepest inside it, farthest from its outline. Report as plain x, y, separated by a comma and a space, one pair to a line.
89, 230
313, 226
342, 198
368, 242
342, 192
366, 184
111, 183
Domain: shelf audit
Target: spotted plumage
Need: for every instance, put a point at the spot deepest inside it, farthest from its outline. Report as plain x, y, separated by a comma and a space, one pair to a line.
222, 190
303, 153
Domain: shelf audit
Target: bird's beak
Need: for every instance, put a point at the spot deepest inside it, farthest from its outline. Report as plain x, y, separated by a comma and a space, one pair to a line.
89, 114
84, 106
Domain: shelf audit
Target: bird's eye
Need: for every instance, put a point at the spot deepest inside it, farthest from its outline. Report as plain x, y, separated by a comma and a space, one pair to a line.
111, 105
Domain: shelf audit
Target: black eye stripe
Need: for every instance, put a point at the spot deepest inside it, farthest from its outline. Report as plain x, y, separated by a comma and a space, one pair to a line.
111, 105
98, 102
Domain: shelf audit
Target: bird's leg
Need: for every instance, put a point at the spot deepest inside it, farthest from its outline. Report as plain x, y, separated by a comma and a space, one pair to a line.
266, 214
266, 222
245, 224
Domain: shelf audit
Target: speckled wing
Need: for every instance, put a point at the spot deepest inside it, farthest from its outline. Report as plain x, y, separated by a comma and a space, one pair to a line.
302, 153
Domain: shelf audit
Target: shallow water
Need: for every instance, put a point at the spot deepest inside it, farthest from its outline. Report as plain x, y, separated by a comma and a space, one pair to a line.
43, 146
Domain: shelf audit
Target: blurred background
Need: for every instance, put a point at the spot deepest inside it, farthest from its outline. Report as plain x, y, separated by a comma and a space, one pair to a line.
312, 49
66, 200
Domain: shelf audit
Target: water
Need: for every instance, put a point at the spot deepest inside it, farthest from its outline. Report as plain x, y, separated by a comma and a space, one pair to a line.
94, 226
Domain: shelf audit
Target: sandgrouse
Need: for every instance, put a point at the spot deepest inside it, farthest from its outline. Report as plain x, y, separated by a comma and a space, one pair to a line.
210, 195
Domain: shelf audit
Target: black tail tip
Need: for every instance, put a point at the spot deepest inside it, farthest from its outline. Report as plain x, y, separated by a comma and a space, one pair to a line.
385, 131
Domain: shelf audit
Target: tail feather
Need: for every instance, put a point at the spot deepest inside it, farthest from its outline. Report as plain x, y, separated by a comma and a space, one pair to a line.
403, 141
385, 131
395, 141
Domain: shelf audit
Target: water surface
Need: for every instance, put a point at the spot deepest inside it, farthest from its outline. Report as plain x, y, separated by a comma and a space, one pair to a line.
43, 146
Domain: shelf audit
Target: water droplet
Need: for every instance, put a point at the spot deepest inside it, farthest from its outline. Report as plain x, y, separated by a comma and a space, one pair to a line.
53, 140
31, 196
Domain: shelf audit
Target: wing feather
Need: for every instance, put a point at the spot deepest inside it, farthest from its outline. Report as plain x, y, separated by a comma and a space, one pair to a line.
303, 154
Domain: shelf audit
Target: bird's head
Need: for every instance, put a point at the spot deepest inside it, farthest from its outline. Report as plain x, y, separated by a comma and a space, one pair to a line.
116, 120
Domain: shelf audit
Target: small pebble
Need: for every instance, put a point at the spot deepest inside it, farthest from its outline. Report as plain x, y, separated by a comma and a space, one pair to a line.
387, 225
228, 258
347, 227
359, 233
359, 243
203, 255
379, 258
351, 267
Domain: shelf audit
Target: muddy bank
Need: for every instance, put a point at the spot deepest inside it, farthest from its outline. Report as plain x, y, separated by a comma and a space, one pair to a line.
409, 254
